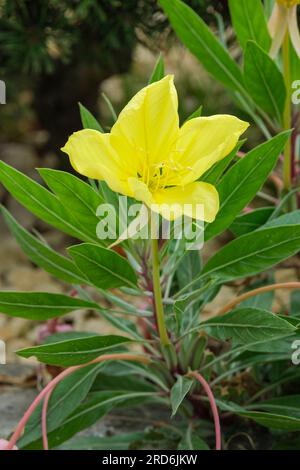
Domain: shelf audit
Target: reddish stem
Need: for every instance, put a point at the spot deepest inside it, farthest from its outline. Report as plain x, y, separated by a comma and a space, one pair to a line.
213, 406
106, 357
44, 419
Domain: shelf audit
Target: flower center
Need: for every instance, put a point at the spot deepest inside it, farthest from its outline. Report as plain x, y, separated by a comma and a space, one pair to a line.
288, 3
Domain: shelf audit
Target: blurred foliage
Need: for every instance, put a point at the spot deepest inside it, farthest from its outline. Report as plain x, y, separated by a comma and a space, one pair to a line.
55, 53
35, 36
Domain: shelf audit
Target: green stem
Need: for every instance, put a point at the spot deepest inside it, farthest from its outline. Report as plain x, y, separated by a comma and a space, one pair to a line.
287, 115
159, 309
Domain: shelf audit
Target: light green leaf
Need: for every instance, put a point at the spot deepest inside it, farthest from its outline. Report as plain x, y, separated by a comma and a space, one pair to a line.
104, 268
159, 70
249, 22
88, 120
179, 390
199, 39
73, 351
248, 325
264, 81
241, 183
42, 255
40, 305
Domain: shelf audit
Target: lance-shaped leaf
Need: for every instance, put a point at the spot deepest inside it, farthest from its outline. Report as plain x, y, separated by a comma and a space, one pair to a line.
104, 268
199, 39
159, 70
88, 120
179, 390
78, 197
66, 397
241, 183
248, 325
74, 351
254, 252
42, 255
42, 203
88, 413
249, 22
40, 305
264, 81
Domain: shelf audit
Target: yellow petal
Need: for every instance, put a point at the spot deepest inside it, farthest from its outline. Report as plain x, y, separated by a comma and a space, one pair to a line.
140, 191
147, 127
91, 155
202, 142
177, 201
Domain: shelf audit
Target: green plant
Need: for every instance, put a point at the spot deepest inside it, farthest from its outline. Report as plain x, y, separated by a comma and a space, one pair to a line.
240, 358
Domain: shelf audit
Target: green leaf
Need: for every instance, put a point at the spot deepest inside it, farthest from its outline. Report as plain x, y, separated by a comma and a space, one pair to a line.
76, 196
249, 22
291, 218
179, 390
66, 397
250, 221
241, 183
199, 39
254, 252
40, 305
117, 442
42, 255
192, 442
159, 70
288, 405
88, 120
213, 174
264, 81
248, 325
272, 420
88, 413
197, 113
104, 268
42, 202
74, 351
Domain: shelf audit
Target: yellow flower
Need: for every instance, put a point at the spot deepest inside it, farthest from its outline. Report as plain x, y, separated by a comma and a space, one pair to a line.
147, 155
283, 20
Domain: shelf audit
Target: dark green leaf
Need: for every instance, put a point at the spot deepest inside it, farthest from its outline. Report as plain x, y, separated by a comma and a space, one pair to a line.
74, 351
241, 183
199, 39
250, 221
248, 325
254, 252
42, 202
40, 305
42, 255
264, 81
104, 268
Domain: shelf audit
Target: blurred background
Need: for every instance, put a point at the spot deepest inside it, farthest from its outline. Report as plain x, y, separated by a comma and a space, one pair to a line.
56, 53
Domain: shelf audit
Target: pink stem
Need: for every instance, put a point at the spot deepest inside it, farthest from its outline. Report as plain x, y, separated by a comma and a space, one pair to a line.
44, 419
213, 406
106, 357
